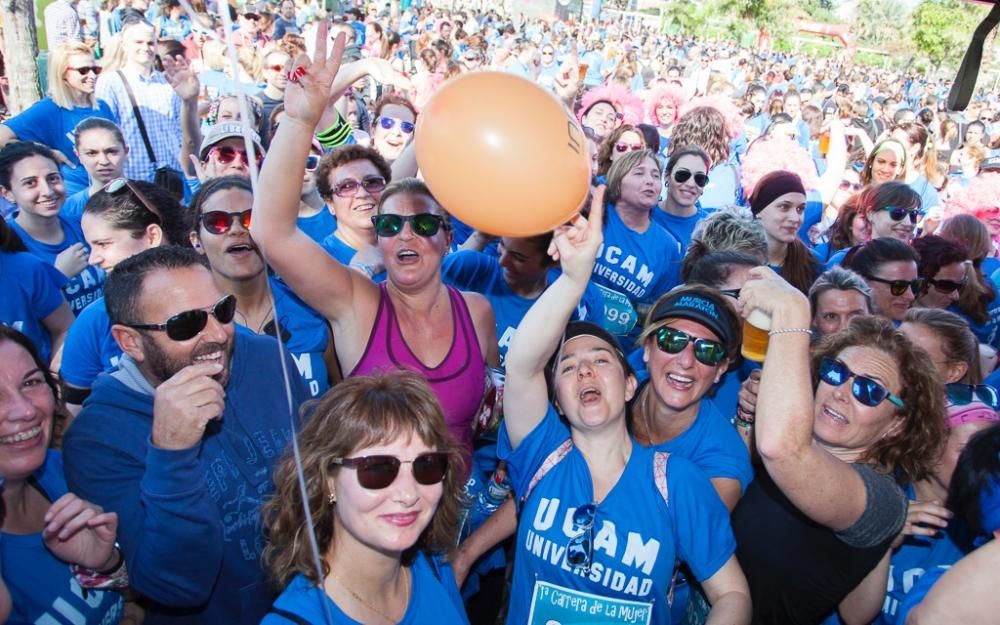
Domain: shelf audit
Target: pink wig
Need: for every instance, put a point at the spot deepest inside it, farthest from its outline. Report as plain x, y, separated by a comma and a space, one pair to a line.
733, 116
624, 101
673, 94
776, 154
980, 198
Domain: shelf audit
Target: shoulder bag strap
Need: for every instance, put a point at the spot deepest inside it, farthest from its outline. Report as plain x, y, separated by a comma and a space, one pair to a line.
138, 118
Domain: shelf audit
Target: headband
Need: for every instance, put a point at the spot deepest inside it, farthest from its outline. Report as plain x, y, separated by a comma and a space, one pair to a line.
772, 186
895, 146
973, 412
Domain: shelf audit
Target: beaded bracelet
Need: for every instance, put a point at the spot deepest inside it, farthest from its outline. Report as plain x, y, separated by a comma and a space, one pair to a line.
115, 579
791, 331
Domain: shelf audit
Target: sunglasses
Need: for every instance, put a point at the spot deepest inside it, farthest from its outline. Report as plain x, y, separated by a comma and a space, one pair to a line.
388, 123
349, 187
848, 185
277, 68
733, 293
118, 184
683, 175
86, 69
706, 351
220, 222
962, 394
378, 472
898, 287
312, 162
946, 286
225, 155
580, 549
628, 147
865, 390
424, 224
897, 214
251, 16
188, 324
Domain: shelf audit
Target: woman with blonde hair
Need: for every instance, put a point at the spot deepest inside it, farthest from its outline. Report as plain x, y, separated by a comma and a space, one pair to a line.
72, 77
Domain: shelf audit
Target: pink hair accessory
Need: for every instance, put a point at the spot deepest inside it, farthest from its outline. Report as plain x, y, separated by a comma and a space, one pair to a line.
673, 94
972, 412
980, 198
624, 101
776, 154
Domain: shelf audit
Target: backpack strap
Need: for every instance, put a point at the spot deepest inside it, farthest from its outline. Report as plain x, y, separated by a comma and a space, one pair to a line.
554, 458
285, 614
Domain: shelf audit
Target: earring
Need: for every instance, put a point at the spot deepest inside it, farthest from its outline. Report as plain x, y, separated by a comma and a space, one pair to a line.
332, 499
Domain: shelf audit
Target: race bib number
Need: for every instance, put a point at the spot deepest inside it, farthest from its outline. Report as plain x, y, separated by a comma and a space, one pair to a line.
619, 314
555, 605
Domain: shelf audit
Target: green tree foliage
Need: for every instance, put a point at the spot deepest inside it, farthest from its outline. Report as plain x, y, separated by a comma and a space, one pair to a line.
942, 29
872, 20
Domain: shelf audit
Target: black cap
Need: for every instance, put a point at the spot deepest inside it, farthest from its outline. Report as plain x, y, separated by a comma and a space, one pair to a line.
700, 305
587, 328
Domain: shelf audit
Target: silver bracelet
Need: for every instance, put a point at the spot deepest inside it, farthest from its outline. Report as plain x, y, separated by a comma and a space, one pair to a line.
791, 331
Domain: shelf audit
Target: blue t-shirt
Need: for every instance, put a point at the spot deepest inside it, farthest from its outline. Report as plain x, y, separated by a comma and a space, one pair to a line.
680, 227
836, 260
319, 226
72, 208
306, 335
986, 332
31, 291
637, 536
84, 287
41, 586
344, 253
633, 269
812, 215
918, 593
434, 598
929, 197
47, 123
90, 349
723, 186
475, 271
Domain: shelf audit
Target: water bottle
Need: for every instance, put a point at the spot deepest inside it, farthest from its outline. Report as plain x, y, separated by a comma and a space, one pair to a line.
469, 501
495, 493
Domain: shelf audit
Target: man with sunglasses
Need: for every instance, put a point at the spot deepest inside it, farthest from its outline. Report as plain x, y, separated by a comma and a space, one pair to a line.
276, 65
224, 152
180, 441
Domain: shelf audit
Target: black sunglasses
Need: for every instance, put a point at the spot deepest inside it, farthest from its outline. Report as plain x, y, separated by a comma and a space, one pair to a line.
962, 394
946, 286
378, 472
424, 224
706, 351
220, 222
865, 390
897, 214
86, 69
349, 188
898, 287
186, 325
580, 548
682, 175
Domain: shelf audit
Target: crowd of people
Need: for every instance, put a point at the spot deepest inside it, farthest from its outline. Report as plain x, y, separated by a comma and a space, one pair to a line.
253, 371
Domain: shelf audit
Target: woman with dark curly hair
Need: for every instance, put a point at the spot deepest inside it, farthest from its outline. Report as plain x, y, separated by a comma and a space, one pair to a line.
705, 127
381, 528
837, 440
622, 140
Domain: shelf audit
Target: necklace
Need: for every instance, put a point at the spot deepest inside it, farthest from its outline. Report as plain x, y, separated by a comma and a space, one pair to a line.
260, 328
406, 584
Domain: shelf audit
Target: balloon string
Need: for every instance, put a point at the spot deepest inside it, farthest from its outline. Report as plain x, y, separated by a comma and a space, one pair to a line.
251, 150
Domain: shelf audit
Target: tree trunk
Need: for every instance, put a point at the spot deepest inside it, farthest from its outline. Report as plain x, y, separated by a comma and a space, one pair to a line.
20, 53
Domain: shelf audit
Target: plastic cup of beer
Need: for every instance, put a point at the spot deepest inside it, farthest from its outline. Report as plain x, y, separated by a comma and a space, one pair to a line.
755, 329
582, 68
824, 143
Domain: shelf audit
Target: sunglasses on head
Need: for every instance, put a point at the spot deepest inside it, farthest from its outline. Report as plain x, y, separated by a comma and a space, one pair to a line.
897, 214
378, 472
349, 187
674, 341
86, 69
946, 286
580, 548
188, 324
312, 162
898, 287
628, 147
962, 394
220, 222
423, 224
388, 123
118, 184
864, 389
225, 155
683, 175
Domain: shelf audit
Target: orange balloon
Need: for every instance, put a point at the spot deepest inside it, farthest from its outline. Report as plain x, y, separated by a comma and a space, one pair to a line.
502, 154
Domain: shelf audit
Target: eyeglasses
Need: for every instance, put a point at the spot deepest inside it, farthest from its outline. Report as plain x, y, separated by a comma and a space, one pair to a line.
118, 184
848, 185
865, 390
225, 155
628, 147
962, 394
378, 472
349, 187
898, 287
683, 175
580, 549
388, 123
897, 214
424, 224
312, 162
706, 351
86, 69
946, 286
188, 324
221, 222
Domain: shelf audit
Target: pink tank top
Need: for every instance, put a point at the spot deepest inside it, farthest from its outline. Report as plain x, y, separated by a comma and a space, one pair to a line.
459, 381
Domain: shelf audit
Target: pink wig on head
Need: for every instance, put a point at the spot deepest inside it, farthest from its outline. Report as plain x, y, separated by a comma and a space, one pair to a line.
624, 101
980, 198
733, 116
674, 94
776, 154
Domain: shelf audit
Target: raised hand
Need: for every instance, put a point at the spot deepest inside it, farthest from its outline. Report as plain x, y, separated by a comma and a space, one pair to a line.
575, 245
79, 532
382, 71
184, 404
308, 89
177, 71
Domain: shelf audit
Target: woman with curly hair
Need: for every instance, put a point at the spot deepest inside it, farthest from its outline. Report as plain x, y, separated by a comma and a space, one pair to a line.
706, 127
621, 141
382, 480
837, 444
